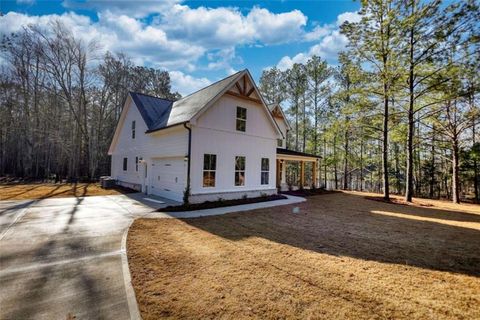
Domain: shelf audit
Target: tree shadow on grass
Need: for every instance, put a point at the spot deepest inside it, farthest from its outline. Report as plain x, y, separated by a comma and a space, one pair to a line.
349, 225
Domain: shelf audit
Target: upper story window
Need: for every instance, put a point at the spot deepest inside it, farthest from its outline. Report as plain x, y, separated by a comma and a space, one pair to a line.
136, 164
280, 143
125, 164
209, 169
241, 123
239, 171
265, 171
133, 129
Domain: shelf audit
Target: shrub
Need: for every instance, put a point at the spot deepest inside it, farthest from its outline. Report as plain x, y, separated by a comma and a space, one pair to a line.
186, 195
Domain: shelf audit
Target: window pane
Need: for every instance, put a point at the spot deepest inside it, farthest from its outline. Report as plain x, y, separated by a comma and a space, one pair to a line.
133, 125
279, 142
206, 161
264, 177
240, 178
124, 164
239, 163
241, 125
213, 162
209, 178
241, 113
265, 164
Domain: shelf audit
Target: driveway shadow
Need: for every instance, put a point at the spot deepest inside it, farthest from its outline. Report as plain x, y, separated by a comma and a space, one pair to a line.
349, 225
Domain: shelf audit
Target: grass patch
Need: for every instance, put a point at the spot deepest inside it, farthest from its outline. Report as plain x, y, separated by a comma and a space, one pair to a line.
341, 257
220, 203
22, 191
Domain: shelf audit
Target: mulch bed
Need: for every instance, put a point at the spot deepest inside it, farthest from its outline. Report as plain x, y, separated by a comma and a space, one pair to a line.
308, 192
220, 204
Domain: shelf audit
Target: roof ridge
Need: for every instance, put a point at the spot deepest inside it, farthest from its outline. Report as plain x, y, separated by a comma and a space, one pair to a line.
152, 96
211, 84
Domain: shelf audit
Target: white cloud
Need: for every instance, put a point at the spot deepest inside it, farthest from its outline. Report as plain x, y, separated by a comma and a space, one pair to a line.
225, 26
136, 9
186, 84
330, 42
348, 16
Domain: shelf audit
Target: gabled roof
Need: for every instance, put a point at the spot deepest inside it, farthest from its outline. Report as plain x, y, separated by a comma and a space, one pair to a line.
160, 113
273, 106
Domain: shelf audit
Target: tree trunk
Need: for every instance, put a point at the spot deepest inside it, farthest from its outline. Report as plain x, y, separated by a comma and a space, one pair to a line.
345, 164
455, 169
386, 187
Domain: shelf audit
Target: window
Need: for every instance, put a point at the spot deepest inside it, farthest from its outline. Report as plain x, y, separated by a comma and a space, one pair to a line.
133, 129
125, 164
209, 167
265, 171
239, 171
279, 142
136, 164
241, 119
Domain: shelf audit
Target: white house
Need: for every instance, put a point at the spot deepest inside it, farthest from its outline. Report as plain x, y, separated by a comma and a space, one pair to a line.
223, 141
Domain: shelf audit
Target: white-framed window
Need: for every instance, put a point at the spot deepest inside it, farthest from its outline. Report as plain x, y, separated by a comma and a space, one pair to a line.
265, 171
239, 171
241, 123
125, 163
133, 129
136, 164
209, 170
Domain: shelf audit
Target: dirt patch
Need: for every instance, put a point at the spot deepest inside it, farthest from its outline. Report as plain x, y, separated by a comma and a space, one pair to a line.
220, 204
21, 191
341, 256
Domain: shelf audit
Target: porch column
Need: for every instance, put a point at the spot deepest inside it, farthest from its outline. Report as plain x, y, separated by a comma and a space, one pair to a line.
302, 174
314, 173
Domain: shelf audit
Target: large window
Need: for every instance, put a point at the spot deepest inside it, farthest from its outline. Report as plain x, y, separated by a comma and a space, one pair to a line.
125, 164
209, 168
241, 119
133, 129
265, 171
239, 171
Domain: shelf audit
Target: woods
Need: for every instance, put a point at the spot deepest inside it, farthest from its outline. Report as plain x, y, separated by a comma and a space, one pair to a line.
397, 114
400, 111
60, 103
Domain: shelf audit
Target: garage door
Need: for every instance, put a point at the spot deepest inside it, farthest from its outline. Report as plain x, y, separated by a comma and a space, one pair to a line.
168, 178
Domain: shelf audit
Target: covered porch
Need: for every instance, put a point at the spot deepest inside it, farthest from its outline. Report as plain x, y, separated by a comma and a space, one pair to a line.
296, 170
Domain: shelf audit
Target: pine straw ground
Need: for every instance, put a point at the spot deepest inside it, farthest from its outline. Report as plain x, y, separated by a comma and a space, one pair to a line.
21, 191
342, 257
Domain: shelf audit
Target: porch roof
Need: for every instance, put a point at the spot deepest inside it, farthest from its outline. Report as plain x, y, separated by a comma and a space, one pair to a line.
296, 155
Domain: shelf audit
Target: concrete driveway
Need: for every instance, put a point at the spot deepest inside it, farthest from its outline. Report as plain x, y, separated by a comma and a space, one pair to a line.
62, 259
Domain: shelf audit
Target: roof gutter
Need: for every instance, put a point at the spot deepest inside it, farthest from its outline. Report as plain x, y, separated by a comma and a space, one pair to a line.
167, 127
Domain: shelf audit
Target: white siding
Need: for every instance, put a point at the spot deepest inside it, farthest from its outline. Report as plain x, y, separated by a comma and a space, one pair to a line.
215, 133
283, 128
172, 142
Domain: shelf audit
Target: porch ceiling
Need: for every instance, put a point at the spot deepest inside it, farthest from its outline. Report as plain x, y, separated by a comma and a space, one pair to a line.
284, 154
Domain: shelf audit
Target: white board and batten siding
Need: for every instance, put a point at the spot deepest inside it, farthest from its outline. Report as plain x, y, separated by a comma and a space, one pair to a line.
215, 133
165, 148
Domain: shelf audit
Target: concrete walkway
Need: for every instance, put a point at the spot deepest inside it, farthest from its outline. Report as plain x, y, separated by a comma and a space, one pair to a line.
224, 210
64, 257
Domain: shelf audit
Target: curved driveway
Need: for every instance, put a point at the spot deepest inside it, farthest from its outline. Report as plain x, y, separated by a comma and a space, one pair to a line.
62, 257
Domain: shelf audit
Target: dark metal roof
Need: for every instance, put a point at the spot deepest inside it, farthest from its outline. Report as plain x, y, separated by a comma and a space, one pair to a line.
155, 111
160, 113
296, 153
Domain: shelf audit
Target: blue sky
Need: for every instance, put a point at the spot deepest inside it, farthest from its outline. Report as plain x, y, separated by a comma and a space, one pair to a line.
198, 42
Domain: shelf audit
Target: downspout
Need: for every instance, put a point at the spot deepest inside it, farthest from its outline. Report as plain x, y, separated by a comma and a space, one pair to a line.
189, 152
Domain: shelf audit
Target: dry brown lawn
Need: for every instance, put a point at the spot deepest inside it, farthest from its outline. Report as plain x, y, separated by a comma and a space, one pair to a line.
16, 191
341, 257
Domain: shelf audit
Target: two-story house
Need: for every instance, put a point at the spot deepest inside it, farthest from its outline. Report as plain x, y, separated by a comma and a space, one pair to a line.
222, 141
